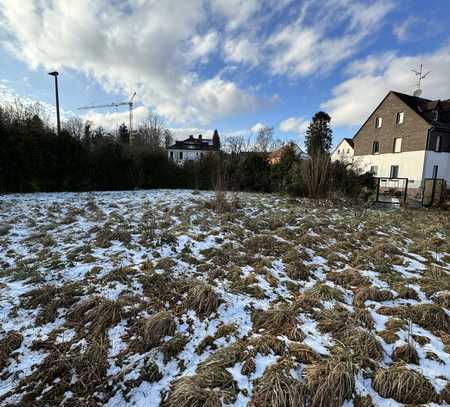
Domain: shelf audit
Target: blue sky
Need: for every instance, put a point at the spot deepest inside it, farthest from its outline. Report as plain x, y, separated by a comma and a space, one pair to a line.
233, 65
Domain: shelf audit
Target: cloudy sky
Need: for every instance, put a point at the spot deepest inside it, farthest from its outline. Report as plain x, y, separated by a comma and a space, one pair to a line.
234, 65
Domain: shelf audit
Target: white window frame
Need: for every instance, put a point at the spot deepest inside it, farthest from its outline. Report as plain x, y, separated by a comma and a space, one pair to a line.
374, 169
397, 145
378, 122
435, 171
373, 147
400, 117
391, 171
437, 147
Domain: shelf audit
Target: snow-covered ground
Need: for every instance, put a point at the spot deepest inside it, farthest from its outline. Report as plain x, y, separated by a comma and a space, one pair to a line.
132, 298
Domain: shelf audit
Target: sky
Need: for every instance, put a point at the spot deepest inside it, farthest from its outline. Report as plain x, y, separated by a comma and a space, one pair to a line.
231, 65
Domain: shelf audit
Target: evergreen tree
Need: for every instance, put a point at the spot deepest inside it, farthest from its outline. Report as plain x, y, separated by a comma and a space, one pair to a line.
216, 139
319, 136
124, 134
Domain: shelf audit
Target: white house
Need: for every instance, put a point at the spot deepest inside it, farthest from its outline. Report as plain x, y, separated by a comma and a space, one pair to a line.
192, 148
344, 151
406, 137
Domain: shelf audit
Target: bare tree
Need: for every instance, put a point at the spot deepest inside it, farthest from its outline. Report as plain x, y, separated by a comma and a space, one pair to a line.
265, 140
152, 132
236, 144
75, 126
168, 138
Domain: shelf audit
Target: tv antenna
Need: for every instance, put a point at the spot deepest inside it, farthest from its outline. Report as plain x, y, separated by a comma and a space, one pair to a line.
420, 75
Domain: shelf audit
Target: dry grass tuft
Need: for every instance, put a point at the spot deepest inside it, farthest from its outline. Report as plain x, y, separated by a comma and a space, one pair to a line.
331, 381
429, 316
277, 387
281, 319
363, 343
403, 385
348, 278
371, 293
266, 344
406, 353
325, 292
8, 345
443, 299
96, 315
173, 347
202, 298
151, 331
302, 353
188, 392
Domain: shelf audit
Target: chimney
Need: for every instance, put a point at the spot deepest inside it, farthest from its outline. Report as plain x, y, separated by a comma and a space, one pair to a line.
191, 137
200, 137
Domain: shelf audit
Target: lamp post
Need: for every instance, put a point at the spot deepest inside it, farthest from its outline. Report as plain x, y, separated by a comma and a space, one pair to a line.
58, 122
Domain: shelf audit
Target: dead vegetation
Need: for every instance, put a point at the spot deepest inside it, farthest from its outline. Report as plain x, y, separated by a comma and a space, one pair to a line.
8, 344
150, 331
403, 385
278, 388
202, 298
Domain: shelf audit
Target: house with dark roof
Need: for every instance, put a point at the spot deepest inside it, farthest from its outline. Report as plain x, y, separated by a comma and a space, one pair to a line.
193, 148
276, 155
406, 137
344, 151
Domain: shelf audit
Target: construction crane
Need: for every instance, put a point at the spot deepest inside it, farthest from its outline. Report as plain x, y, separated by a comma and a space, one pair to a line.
130, 106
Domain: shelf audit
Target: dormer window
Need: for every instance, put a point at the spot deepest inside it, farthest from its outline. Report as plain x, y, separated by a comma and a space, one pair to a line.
400, 117
437, 147
435, 115
378, 122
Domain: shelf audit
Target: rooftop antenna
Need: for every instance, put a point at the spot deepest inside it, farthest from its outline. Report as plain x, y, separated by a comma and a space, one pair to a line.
420, 75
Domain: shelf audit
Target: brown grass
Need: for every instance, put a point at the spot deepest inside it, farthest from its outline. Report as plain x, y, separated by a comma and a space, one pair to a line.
371, 293
281, 319
202, 298
325, 292
8, 344
348, 278
302, 353
151, 331
188, 392
277, 387
363, 343
403, 385
406, 353
331, 381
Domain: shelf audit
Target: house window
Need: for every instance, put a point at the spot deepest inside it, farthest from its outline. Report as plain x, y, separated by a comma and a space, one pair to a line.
437, 147
435, 171
180, 155
171, 154
400, 117
398, 145
339, 151
436, 115
348, 151
394, 171
375, 147
374, 169
378, 122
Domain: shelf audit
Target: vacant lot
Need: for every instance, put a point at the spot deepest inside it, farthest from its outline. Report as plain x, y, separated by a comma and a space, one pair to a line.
174, 298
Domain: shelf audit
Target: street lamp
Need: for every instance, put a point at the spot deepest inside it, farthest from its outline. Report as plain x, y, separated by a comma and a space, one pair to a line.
58, 122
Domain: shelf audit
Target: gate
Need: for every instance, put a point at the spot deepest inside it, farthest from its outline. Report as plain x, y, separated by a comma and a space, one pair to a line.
392, 191
433, 191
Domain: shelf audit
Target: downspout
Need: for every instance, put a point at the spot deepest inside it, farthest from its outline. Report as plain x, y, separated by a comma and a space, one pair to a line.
426, 153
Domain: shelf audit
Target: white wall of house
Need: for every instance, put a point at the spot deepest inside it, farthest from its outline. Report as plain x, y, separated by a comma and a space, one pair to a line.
442, 160
343, 152
180, 156
410, 163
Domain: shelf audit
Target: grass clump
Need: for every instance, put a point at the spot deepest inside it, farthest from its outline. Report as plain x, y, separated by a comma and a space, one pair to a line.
348, 278
429, 316
332, 381
281, 319
406, 353
8, 345
325, 292
363, 343
202, 298
96, 315
403, 385
371, 293
151, 331
188, 392
277, 387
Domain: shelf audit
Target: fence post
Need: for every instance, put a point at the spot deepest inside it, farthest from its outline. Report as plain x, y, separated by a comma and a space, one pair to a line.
378, 189
406, 190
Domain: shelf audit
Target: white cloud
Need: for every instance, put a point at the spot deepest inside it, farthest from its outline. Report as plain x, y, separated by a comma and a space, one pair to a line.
257, 127
202, 46
146, 46
355, 98
241, 50
111, 120
296, 125
302, 48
